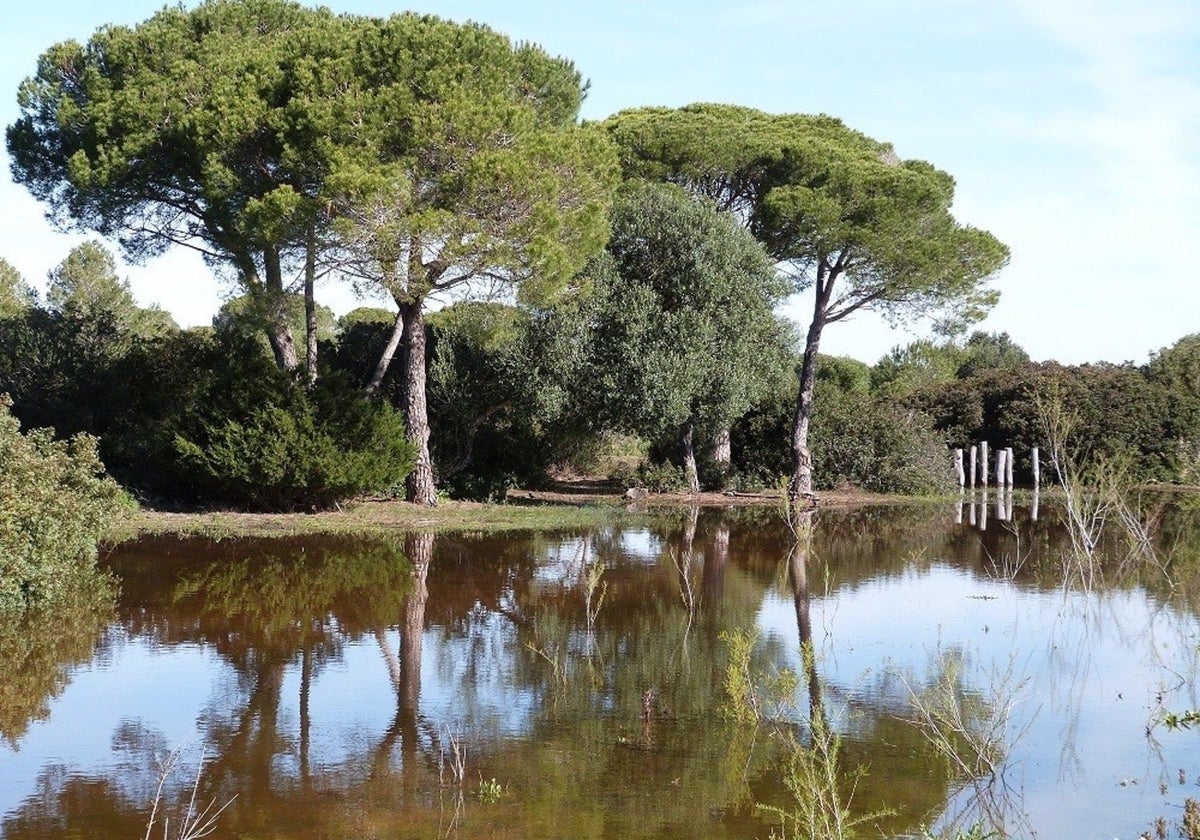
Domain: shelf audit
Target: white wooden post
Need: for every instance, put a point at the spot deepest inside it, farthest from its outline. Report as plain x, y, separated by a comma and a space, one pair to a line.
1008, 467
973, 470
983, 462
1037, 470
1000, 455
958, 468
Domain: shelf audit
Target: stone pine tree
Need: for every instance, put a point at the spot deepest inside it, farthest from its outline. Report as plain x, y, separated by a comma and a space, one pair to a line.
842, 214
203, 128
684, 338
471, 175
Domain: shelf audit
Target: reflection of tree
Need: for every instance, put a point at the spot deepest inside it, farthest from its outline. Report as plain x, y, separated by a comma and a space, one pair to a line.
405, 669
798, 578
39, 647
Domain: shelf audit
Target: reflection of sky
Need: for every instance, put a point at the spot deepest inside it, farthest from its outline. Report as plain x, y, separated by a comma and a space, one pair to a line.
160, 689
1087, 672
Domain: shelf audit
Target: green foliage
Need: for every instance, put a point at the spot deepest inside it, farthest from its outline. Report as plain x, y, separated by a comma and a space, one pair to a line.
858, 441
1118, 411
85, 287
827, 199
503, 393
297, 450
248, 317
16, 296
877, 446
920, 364
55, 501
990, 351
681, 315
846, 374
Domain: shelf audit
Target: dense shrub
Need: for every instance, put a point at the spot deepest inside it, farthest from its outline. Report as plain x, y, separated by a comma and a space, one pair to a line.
292, 449
54, 503
855, 441
1116, 410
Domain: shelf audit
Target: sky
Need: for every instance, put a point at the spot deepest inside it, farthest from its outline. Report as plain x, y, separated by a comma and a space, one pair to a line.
1072, 128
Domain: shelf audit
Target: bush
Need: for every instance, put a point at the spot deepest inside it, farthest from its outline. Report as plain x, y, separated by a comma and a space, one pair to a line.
299, 451
54, 503
855, 440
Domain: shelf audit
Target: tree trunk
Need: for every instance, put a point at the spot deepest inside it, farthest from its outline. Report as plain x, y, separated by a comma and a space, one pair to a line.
310, 307
389, 352
722, 450
801, 485
279, 334
690, 473
419, 484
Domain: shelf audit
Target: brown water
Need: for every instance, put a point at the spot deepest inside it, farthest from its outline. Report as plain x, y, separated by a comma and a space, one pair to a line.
334, 686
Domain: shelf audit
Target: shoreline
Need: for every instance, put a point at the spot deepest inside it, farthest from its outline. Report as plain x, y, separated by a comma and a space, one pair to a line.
563, 506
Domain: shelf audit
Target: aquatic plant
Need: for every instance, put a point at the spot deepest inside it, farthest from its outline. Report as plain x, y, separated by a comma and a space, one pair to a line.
195, 821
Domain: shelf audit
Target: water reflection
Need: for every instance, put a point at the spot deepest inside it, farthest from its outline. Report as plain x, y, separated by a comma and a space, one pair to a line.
333, 683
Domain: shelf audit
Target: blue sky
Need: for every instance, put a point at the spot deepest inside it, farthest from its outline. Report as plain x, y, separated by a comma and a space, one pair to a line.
1071, 126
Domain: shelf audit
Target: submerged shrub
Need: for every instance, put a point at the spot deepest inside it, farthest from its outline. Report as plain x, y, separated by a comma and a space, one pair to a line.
55, 501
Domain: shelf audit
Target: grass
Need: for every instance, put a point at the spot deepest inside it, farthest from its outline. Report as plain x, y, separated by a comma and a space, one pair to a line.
367, 518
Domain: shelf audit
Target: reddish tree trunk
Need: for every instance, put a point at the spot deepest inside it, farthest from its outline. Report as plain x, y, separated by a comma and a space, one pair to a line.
419, 485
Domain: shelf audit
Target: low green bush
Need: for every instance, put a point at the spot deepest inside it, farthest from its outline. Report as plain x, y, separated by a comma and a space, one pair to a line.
299, 451
55, 501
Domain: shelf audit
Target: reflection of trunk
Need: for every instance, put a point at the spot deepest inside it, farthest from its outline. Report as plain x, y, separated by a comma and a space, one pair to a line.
798, 576
420, 487
306, 675
689, 532
405, 670
419, 548
690, 474
713, 581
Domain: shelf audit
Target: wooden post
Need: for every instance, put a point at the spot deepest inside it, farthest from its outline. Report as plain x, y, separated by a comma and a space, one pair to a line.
973, 470
983, 462
958, 468
1000, 454
1008, 466
1037, 470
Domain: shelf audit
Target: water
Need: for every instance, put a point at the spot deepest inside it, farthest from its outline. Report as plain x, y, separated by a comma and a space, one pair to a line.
338, 687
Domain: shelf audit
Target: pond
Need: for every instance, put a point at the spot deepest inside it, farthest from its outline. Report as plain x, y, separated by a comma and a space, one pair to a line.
575, 685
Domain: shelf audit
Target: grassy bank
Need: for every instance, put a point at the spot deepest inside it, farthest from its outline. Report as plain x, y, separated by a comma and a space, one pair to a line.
563, 507
364, 518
